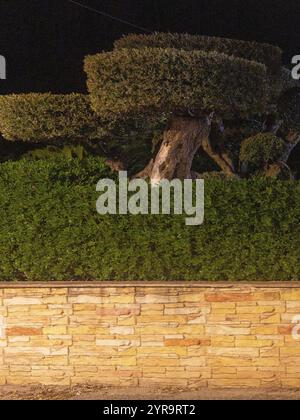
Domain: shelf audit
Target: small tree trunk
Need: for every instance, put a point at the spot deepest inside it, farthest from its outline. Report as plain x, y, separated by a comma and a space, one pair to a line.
220, 156
181, 142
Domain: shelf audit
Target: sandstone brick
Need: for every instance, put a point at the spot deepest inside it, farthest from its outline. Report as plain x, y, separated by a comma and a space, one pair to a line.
126, 321
215, 361
19, 300
290, 383
228, 297
291, 294
285, 329
84, 308
55, 330
197, 320
122, 298
266, 295
117, 311
124, 361
187, 342
264, 330
157, 361
224, 311
223, 341
20, 350
23, 331
116, 342
224, 371
253, 342
156, 299
90, 361
181, 311
270, 319
193, 361
266, 362
259, 309
86, 299
161, 351
227, 330
234, 351
149, 308
222, 305
122, 330
16, 339
82, 330
290, 351
54, 299
269, 352
292, 305
190, 297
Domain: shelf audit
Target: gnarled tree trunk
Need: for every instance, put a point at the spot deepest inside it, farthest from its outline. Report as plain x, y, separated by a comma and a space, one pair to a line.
181, 141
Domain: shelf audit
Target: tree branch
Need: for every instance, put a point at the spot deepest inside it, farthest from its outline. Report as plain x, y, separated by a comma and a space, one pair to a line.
220, 156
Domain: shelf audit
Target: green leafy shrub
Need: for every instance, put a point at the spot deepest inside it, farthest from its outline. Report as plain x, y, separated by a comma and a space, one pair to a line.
37, 117
289, 109
217, 175
136, 81
50, 230
49, 152
263, 53
262, 149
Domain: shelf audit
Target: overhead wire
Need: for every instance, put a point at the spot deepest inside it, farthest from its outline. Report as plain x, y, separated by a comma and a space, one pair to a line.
107, 15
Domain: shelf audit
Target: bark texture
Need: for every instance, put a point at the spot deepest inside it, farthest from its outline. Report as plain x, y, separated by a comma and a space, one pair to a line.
181, 141
220, 156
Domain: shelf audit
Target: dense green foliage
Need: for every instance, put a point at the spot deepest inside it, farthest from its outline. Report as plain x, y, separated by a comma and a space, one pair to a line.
49, 229
281, 83
45, 117
262, 149
262, 53
134, 81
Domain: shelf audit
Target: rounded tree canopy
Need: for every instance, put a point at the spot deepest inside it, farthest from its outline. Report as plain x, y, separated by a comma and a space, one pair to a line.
155, 80
266, 54
42, 117
281, 83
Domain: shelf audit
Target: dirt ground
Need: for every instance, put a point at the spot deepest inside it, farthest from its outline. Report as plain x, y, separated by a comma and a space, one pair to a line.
92, 392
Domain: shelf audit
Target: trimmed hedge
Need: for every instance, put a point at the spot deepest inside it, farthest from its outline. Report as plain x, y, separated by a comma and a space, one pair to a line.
269, 55
133, 81
38, 117
50, 230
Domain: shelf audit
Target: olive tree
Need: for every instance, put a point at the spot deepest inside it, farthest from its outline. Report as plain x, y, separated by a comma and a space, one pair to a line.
202, 86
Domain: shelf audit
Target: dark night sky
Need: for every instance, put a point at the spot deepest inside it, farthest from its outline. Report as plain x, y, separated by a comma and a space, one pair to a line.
45, 41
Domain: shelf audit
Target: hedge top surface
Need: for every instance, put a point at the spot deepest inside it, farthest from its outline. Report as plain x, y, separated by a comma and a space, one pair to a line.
267, 54
50, 230
147, 80
37, 117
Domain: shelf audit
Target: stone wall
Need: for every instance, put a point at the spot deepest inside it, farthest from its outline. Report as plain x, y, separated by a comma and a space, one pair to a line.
143, 334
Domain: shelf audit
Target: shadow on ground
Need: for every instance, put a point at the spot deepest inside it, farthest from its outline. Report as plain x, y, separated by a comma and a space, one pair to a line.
94, 392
